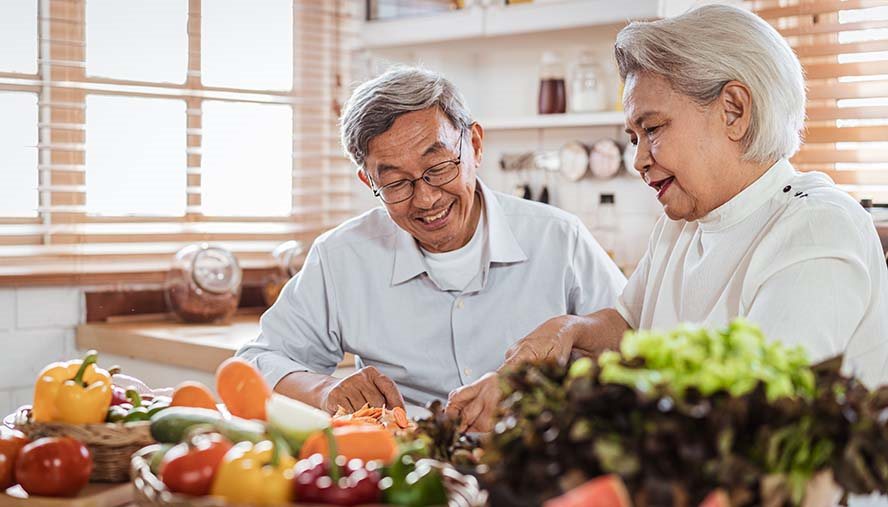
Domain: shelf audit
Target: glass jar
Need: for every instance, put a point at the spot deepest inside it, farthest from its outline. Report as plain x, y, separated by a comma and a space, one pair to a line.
203, 284
552, 99
587, 90
288, 259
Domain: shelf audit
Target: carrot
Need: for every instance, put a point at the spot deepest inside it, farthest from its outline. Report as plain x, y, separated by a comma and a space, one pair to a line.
367, 443
193, 394
242, 389
352, 421
400, 417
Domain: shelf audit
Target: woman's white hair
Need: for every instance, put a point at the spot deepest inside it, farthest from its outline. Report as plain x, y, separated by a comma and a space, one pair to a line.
702, 50
376, 104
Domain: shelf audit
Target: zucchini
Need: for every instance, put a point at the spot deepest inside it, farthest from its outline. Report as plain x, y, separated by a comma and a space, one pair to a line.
171, 424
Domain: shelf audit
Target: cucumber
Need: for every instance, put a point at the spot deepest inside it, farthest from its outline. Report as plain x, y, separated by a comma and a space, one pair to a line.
157, 458
237, 430
171, 424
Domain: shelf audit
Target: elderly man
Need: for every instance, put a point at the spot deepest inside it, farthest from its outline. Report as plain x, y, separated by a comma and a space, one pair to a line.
715, 102
432, 288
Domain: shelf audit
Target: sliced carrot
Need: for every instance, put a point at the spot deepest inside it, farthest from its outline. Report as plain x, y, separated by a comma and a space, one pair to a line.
242, 388
358, 421
193, 394
400, 417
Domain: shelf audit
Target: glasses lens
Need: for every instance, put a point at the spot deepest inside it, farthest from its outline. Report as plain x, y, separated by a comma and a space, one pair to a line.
442, 174
399, 191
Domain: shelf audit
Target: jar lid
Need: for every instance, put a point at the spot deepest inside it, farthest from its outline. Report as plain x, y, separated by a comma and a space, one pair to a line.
605, 158
574, 160
215, 270
289, 256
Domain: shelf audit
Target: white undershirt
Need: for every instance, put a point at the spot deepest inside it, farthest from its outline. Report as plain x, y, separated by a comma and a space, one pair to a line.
455, 269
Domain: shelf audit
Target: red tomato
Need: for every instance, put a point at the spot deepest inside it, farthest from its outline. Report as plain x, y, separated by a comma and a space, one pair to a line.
189, 467
10, 444
53, 466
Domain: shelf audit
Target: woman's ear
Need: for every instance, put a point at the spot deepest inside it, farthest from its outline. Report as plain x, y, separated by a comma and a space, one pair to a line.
736, 104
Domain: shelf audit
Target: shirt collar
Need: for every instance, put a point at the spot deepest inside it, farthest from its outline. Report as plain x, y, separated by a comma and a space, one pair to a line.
751, 198
502, 246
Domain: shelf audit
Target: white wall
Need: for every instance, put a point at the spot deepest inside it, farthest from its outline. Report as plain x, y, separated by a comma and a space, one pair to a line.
37, 327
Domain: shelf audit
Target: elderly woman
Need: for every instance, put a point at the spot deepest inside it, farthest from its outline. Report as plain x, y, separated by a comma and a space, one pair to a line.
715, 102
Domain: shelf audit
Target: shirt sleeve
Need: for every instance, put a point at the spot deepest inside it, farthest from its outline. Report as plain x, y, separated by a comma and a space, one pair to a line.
630, 301
300, 331
808, 284
597, 279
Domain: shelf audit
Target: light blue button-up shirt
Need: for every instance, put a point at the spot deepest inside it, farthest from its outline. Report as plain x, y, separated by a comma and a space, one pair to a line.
365, 289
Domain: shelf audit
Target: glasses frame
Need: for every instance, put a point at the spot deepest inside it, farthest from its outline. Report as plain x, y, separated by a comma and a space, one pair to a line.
377, 191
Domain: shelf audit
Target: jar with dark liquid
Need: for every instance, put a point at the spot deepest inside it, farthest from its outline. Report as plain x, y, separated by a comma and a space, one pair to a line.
552, 98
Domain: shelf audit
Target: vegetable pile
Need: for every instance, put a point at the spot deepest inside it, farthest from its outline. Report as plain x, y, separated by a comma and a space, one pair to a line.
270, 450
682, 414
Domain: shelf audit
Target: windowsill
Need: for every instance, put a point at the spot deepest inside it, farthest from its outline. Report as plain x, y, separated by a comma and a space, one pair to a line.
103, 273
114, 264
159, 339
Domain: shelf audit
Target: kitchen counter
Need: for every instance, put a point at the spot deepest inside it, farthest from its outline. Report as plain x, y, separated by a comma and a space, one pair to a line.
197, 346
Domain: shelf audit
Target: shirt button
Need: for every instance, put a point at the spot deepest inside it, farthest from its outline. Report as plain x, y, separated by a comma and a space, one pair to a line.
468, 372
459, 304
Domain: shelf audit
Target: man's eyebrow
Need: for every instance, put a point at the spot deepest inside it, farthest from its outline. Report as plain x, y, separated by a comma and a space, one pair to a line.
436, 147
383, 168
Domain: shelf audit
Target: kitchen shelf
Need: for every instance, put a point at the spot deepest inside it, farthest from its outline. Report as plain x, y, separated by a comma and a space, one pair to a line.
568, 120
447, 26
502, 20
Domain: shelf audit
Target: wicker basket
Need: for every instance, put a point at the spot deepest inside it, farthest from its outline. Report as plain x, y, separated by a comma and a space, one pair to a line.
149, 491
111, 445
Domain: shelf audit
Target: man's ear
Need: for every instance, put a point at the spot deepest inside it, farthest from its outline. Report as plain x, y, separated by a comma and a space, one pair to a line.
736, 104
362, 175
477, 145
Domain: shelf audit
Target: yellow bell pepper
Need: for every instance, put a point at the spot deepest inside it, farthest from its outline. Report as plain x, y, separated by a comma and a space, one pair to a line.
76, 392
260, 474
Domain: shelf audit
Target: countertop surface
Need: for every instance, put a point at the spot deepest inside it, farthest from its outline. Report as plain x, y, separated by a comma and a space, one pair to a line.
160, 339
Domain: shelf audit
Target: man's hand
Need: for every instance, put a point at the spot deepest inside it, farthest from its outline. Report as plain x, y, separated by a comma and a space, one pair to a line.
475, 403
551, 340
364, 386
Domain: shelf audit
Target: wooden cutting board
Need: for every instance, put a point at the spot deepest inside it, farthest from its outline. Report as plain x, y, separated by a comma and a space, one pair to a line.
93, 495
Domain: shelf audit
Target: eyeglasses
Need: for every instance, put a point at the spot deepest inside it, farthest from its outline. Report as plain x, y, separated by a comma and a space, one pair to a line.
438, 175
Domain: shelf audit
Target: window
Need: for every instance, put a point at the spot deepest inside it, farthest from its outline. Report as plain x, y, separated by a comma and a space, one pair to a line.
18, 36
247, 48
135, 159
150, 125
843, 46
18, 144
137, 40
252, 167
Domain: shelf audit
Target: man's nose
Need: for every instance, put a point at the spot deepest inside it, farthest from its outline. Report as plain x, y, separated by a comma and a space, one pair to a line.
425, 195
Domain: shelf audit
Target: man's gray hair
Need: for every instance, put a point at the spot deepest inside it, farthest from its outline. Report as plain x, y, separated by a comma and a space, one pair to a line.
375, 104
701, 50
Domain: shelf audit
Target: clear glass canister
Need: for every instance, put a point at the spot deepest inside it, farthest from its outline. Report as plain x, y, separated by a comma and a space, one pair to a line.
288, 257
204, 284
587, 88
